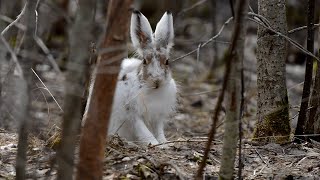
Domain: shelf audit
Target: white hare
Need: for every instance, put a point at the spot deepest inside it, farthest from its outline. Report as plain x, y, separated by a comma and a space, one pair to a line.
145, 96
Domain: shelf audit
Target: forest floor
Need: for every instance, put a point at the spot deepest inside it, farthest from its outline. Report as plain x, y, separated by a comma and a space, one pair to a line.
186, 133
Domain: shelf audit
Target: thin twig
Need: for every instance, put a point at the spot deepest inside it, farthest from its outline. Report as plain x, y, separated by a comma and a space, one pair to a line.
47, 90
38, 40
13, 55
200, 93
46, 50
179, 141
207, 42
9, 20
191, 7
261, 21
15, 21
291, 41
302, 28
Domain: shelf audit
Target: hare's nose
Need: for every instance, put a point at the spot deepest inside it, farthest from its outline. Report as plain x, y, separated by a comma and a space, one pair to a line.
156, 83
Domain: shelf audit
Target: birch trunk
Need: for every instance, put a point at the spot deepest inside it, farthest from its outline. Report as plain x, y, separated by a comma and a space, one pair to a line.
233, 97
77, 68
272, 117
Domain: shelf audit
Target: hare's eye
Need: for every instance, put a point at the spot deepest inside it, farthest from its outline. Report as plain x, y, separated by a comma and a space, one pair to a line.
167, 62
144, 62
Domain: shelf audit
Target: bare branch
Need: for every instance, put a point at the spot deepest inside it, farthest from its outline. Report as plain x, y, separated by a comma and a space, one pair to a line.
191, 7
265, 23
9, 20
46, 50
208, 41
302, 28
15, 21
13, 55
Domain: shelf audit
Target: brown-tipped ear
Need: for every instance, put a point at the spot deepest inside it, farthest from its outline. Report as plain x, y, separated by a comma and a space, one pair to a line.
140, 31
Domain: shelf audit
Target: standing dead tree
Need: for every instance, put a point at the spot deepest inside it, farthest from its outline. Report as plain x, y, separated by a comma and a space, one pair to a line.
93, 138
233, 96
303, 125
80, 36
230, 55
25, 87
273, 123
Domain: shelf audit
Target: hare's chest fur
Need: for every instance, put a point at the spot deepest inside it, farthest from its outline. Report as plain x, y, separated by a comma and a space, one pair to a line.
157, 102
133, 102
133, 98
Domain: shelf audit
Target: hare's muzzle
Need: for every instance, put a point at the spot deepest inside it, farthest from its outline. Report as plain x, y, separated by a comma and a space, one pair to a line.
156, 84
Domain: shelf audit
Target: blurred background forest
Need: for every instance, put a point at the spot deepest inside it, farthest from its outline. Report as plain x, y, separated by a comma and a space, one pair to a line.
37, 74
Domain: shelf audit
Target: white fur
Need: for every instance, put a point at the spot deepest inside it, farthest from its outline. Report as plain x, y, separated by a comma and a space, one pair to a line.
164, 31
146, 31
147, 111
139, 110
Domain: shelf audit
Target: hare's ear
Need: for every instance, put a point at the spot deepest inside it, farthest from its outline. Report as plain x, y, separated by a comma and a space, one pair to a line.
164, 32
140, 31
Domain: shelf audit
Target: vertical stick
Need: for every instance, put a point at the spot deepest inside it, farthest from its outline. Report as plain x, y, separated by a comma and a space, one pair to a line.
308, 74
217, 109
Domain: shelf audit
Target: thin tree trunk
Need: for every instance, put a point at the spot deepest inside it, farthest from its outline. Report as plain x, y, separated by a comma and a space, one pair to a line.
26, 86
233, 98
300, 129
273, 122
306, 125
93, 138
80, 36
313, 123
228, 58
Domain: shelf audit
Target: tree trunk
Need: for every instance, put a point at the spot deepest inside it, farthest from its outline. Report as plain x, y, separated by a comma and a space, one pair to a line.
273, 124
80, 36
233, 97
93, 138
25, 104
313, 123
305, 126
301, 128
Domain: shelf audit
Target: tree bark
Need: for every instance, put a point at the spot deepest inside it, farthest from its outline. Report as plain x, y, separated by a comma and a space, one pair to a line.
305, 125
301, 128
26, 87
233, 98
313, 123
80, 36
273, 124
93, 138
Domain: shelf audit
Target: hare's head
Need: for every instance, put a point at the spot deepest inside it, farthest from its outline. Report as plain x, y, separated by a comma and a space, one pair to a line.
153, 48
